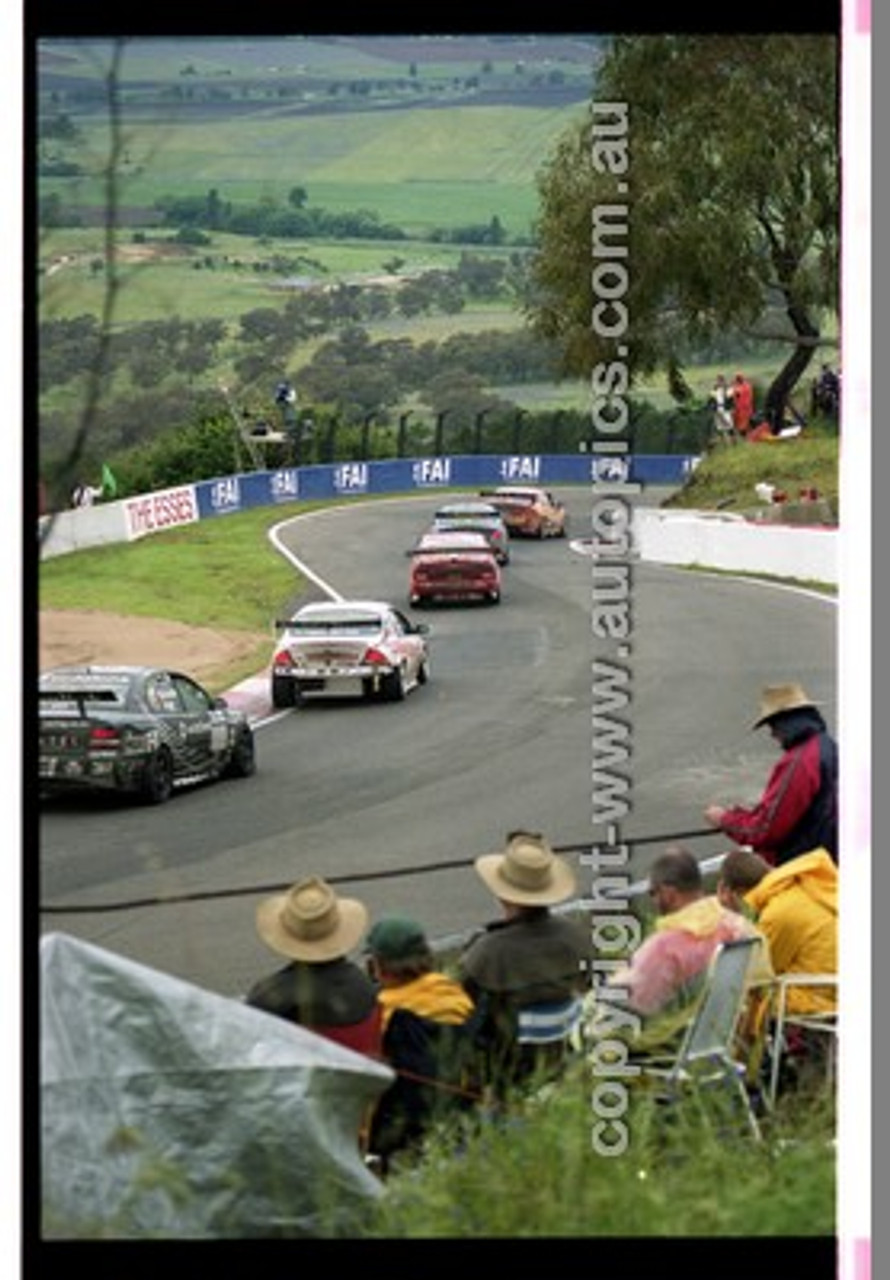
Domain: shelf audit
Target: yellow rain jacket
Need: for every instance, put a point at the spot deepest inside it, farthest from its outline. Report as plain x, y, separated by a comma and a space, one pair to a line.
796, 908
433, 995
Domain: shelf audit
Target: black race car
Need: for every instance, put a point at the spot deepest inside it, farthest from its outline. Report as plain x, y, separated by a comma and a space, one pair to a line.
143, 730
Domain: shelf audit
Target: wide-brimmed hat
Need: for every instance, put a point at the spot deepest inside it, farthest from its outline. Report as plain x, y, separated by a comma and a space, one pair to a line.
310, 922
776, 698
527, 872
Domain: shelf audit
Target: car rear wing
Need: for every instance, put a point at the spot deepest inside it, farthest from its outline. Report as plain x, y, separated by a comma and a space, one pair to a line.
358, 626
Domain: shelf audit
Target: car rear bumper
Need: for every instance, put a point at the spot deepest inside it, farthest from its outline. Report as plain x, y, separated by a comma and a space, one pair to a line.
455, 593
77, 773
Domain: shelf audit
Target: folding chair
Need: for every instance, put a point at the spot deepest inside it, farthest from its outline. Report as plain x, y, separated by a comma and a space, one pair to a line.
824, 1023
706, 1058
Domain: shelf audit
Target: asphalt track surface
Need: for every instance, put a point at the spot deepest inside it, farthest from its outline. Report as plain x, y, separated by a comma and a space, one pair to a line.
371, 794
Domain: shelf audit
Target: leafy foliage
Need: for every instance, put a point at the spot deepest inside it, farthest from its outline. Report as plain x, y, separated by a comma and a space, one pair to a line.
732, 198
534, 1172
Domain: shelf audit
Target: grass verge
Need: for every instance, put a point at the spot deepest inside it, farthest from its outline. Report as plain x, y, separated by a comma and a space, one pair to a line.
726, 476
807, 584
685, 1173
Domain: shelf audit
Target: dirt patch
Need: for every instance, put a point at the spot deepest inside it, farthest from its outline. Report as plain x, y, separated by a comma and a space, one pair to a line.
90, 636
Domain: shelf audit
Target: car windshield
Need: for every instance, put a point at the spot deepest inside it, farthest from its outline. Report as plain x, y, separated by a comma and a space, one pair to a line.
468, 522
466, 513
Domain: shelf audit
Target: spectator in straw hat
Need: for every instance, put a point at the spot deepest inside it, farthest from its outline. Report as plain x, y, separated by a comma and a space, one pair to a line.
320, 988
527, 967
798, 808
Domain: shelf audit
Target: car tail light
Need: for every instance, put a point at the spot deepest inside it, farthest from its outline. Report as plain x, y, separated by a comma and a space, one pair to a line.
102, 736
281, 659
375, 657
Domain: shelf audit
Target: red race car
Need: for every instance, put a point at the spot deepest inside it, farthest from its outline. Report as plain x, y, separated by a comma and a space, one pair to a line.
456, 565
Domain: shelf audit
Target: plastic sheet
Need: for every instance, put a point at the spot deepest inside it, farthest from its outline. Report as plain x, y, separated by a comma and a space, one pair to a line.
171, 1112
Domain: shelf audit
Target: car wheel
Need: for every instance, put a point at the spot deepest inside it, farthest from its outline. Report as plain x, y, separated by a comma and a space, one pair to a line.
423, 671
494, 597
157, 782
243, 759
392, 686
284, 692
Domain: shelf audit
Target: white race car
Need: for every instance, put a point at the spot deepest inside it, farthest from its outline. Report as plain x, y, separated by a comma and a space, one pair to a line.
349, 647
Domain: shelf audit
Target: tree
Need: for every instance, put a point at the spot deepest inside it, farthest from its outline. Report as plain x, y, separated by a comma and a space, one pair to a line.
731, 196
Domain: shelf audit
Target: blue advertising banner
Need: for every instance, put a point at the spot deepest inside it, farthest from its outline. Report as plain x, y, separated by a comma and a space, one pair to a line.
404, 475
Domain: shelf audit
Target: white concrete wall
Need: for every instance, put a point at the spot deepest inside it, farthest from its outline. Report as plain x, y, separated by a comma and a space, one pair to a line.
82, 527
718, 540
121, 521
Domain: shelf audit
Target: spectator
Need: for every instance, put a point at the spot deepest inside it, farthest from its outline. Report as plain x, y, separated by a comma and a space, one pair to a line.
84, 495
721, 402
742, 404
320, 988
826, 392
402, 963
740, 870
760, 429
527, 967
662, 979
795, 906
798, 808
427, 1037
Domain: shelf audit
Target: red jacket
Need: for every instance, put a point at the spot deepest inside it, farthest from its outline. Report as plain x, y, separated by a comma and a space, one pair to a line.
797, 810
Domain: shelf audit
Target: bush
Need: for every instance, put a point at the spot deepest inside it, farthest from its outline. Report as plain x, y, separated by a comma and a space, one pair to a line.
534, 1172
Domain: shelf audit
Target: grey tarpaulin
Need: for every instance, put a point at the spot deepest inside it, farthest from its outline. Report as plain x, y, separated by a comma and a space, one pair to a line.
172, 1112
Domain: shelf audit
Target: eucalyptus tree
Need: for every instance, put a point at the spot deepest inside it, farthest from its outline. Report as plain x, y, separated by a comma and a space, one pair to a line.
727, 179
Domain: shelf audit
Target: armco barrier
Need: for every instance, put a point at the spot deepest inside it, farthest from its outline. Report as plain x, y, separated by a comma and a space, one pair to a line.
135, 517
722, 541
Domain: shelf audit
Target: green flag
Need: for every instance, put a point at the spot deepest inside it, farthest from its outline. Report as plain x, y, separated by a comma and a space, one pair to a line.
109, 484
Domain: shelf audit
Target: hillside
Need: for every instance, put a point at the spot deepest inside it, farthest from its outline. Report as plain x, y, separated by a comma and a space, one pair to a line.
441, 131
228, 75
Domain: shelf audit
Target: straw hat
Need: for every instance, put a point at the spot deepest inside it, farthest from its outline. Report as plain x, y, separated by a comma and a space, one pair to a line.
310, 922
776, 698
527, 872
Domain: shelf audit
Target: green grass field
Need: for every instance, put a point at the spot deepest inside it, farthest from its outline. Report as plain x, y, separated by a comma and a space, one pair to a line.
418, 168
170, 283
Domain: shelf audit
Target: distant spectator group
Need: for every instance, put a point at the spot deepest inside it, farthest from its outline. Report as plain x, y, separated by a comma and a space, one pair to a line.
736, 418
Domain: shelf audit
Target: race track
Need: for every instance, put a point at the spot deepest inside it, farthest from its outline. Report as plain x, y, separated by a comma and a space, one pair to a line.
499, 738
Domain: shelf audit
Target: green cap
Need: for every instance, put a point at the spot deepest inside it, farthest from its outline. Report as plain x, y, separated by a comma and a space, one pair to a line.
396, 938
